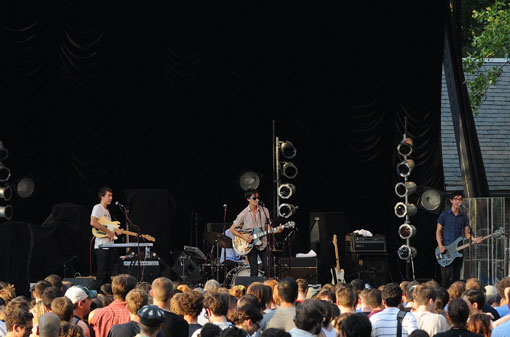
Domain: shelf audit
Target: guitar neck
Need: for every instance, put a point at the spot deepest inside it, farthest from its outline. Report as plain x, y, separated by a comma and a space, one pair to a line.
461, 247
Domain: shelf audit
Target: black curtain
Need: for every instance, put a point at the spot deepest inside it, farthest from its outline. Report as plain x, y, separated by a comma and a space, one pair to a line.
181, 97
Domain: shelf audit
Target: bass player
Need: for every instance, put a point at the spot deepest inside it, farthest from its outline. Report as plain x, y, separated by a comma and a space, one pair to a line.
452, 224
254, 215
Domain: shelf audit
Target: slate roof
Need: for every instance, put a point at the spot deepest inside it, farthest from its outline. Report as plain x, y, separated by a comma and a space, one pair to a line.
493, 128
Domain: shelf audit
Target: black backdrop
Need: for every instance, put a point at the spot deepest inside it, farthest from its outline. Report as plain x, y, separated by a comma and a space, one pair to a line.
182, 97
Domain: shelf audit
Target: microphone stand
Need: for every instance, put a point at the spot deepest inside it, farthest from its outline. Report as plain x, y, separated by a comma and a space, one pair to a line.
138, 231
269, 241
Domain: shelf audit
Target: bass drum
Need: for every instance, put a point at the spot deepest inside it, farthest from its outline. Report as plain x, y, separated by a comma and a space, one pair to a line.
240, 271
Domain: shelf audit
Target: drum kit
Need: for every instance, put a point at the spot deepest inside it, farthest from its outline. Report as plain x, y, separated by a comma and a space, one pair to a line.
223, 269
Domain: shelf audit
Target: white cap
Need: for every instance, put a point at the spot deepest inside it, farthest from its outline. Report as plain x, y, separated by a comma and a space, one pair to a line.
76, 294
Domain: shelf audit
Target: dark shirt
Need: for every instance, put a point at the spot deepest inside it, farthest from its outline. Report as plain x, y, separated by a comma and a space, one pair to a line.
129, 329
174, 326
487, 308
453, 225
457, 333
193, 328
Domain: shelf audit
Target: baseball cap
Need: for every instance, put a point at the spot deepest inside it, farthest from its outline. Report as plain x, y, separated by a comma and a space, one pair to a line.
151, 315
79, 293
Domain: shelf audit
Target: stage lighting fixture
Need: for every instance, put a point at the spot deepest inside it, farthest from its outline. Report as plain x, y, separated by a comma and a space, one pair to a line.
288, 150
25, 187
286, 210
431, 200
249, 179
6, 193
285, 191
406, 252
406, 231
4, 153
405, 148
404, 189
402, 209
289, 170
405, 167
6, 212
5, 173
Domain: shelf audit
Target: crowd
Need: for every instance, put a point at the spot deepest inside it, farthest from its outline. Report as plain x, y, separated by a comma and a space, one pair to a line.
285, 308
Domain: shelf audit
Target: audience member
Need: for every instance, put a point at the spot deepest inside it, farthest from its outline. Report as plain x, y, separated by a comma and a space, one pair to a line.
480, 323
346, 299
374, 302
161, 292
425, 302
504, 308
48, 325
18, 322
63, 307
356, 325
386, 321
117, 312
191, 304
81, 297
475, 300
308, 320
55, 280
458, 314
474, 283
136, 299
275, 333
363, 304
419, 333
302, 289
283, 317
151, 318
210, 330
248, 318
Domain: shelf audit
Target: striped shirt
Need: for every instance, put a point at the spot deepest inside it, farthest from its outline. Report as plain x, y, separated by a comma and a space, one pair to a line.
384, 323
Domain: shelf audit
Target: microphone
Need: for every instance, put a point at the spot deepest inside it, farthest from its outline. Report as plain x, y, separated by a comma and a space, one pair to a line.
261, 203
119, 204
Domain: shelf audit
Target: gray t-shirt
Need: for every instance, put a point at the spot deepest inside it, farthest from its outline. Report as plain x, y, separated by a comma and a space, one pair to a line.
282, 318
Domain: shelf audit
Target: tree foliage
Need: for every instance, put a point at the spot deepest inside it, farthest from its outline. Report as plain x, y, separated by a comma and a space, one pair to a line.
491, 41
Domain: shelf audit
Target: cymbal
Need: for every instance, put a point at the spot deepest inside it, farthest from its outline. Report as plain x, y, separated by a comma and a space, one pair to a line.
211, 237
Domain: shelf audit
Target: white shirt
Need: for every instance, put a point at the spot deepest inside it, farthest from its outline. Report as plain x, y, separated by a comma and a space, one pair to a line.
384, 323
431, 322
97, 212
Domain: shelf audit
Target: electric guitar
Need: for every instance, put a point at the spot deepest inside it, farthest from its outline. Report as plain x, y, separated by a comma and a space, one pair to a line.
452, 250
243, 247
114, 226
337, 274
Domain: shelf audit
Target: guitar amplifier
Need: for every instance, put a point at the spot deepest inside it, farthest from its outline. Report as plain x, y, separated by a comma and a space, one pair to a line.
362, 244
148, 268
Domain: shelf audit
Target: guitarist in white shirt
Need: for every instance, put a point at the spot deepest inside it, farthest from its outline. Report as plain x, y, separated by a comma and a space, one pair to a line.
254, 215
105, 257
452, 224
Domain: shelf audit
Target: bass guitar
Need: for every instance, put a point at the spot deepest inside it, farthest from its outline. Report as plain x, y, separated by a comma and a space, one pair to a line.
337, 274
114, 226
243, 247
453, 249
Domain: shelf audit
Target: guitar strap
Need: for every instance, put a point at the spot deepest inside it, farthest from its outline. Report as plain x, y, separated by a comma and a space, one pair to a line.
400, 317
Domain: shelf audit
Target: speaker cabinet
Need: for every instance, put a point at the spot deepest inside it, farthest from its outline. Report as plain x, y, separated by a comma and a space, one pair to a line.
371, 268
305, 268
323, 225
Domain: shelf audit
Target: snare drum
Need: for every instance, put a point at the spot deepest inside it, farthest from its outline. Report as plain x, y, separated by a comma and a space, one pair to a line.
240, 271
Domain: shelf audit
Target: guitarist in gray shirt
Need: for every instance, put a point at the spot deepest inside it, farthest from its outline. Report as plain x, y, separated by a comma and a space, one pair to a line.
253, 216
452, 224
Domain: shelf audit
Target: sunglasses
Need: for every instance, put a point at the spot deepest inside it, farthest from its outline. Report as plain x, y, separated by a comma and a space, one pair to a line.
254, 198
